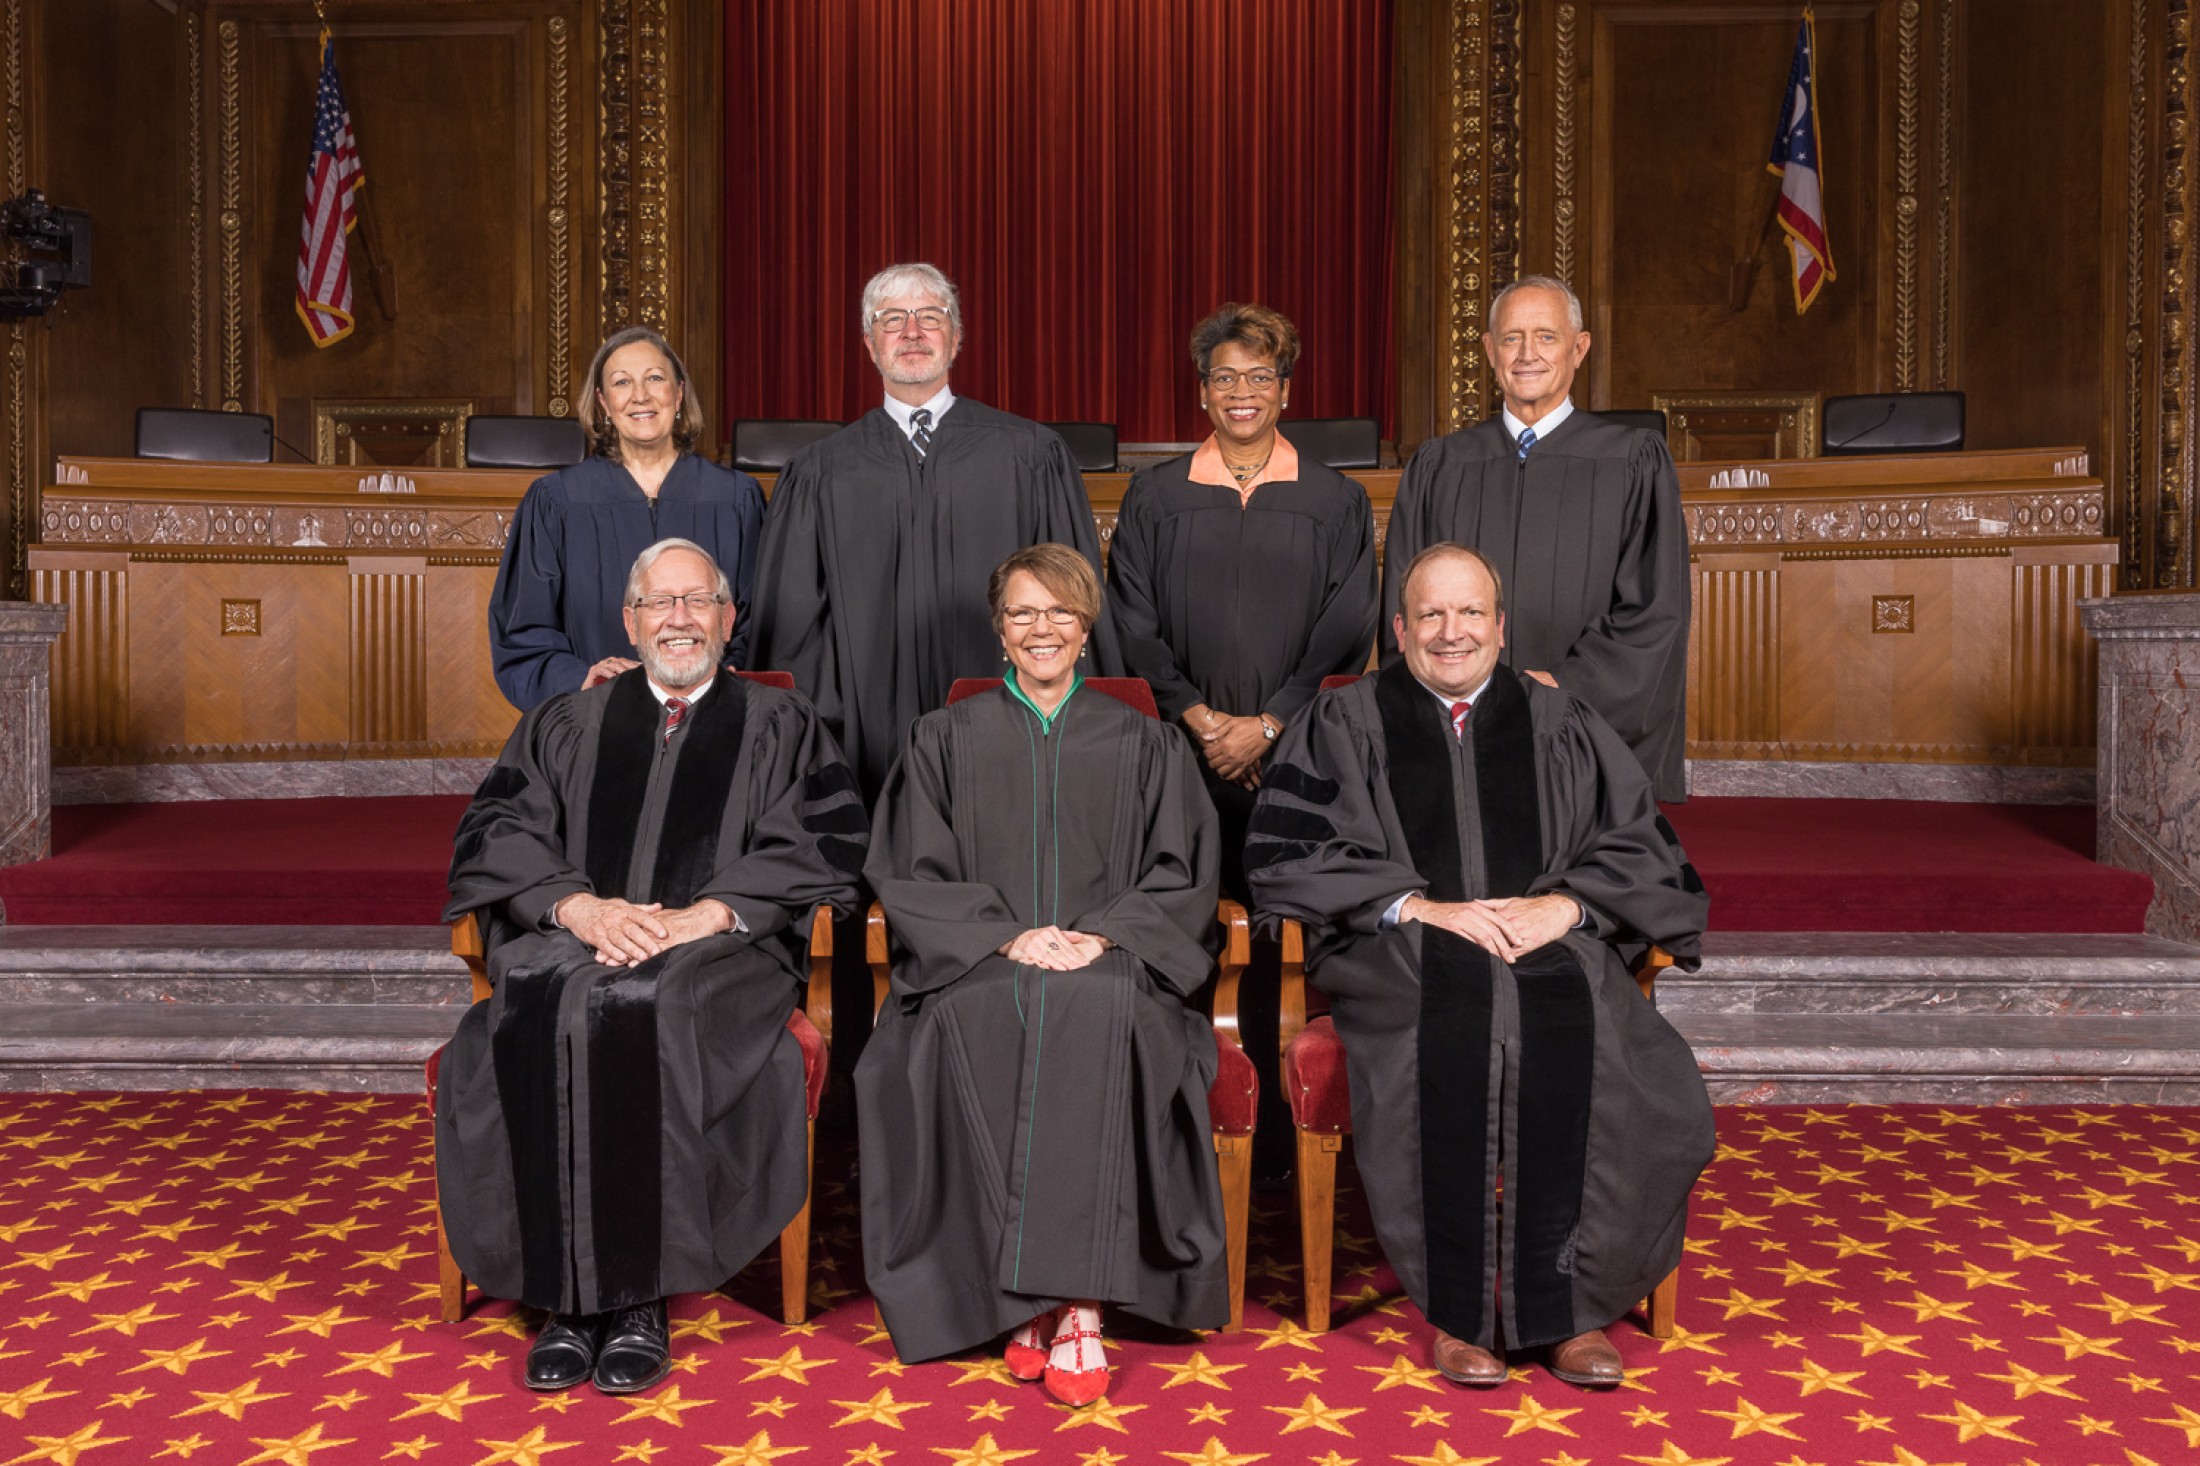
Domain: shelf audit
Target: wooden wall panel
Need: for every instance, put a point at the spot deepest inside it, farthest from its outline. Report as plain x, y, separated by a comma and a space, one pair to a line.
279, 692
389, 649
464, 705
89, 702
1733, 688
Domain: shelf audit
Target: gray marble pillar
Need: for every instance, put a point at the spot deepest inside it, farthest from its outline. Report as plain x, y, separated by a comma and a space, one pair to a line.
2149, 761
27, 634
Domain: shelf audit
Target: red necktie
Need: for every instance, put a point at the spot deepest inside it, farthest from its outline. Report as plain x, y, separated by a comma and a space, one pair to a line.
1459, 712
676, 711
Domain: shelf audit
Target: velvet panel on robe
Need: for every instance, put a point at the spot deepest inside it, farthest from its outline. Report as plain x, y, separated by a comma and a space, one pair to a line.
1030, 1137
1588, 537
554, 611
1243, 605
873, 572
610, 1135
1552, 1076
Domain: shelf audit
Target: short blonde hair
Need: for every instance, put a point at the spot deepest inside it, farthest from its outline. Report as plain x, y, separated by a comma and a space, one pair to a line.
1060, 569
603, 435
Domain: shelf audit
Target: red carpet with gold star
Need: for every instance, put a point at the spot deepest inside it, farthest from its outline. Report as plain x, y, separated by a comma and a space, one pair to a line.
250, 1278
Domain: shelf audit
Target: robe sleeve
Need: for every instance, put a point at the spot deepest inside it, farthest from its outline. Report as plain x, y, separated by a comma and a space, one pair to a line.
1316, 849
1404, 538
947, 925
1621, 663
508, 849
1344, 626
1134, 607
1608, 844
1167, 919
792, 606
1065, 518
807, 829
529, 649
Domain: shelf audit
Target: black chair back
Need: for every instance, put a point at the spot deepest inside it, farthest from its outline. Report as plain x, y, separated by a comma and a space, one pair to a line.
764, 444
497, 441
1637, 417
1891, 422
196, 435
1340, 442
1091, 444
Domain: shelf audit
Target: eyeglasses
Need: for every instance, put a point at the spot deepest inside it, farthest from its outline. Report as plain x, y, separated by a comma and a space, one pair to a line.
1029, 615
699, 602
1222, 379
893, 322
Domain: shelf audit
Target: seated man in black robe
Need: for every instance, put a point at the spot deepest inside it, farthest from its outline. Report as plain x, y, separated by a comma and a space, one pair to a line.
1471, 851
1580, 518
623, 1118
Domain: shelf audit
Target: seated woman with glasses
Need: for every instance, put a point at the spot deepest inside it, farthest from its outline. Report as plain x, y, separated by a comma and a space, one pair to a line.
554, 612
1033, 1101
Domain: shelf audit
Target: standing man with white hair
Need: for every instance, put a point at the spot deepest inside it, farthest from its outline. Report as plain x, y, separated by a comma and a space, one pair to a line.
871, 584
1581, 519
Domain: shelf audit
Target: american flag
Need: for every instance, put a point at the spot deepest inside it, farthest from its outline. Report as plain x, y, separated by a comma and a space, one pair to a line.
332, 173
1802, 210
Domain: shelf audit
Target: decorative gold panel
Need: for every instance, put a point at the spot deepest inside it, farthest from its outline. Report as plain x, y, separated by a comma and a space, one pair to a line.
391, 434
1724, 425
1894, 615
240, 617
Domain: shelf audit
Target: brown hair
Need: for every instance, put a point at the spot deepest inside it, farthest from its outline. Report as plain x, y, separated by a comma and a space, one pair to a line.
1057, 567
603, 435
1446, 550
1258, 329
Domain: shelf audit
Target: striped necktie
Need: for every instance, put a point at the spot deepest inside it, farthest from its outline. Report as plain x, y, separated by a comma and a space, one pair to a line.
920, 425
1527, 441
676, 711
1459, 712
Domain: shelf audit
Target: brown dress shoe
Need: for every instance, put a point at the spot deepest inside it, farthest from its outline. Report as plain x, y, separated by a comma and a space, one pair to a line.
1467, 1364
1588, 1360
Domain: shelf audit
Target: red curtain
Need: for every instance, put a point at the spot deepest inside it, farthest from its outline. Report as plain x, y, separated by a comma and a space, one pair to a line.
1094, 175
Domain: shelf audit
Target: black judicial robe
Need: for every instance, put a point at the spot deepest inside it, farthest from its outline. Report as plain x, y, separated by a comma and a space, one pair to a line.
1030, 1137
1242, 605
872, 578
1589, 539
610, 1135
554, 611
1552, 1074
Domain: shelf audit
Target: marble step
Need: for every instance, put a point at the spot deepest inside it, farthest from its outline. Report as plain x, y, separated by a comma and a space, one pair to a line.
133, 1045
1966, 1058
230, 964
1935, 972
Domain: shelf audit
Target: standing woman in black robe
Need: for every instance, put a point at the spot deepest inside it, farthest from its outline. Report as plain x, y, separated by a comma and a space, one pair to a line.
1033, 1101
1240, 576
554, 613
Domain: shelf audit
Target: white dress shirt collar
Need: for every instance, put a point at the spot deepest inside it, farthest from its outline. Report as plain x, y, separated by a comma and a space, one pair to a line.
1544, 426
663, 696
938, 404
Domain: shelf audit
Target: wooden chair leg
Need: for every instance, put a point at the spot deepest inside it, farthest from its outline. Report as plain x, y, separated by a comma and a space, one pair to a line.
1317, 1221
1234, 1160
454, 1281
794, 1243
1662, 1303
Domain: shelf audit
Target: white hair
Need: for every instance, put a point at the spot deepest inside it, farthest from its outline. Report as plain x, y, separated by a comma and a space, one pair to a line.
656, 552
1537, 282
914, 278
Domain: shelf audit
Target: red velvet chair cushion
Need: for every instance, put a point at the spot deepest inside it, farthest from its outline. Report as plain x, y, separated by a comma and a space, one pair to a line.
784, 681
1314, 1082
815, 1062
1234, 1099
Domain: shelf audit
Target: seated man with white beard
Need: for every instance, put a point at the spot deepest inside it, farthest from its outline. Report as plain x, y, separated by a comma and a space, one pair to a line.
622, 1119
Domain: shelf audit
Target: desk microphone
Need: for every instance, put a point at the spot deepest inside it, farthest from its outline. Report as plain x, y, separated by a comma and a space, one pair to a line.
1892, 404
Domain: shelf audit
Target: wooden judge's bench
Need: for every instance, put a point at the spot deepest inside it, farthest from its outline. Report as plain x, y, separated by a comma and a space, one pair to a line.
1879, 610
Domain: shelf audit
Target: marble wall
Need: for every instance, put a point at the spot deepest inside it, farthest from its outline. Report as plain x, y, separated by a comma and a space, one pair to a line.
27, 634
2149, 769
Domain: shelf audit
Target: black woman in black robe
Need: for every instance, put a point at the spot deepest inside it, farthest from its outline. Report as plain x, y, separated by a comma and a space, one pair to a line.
554, 612
1033, 1102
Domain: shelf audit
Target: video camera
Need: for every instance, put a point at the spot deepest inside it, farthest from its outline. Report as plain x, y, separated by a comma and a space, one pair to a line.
52, 249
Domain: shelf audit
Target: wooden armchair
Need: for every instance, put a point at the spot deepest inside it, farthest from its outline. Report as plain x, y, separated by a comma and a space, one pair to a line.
812, 1026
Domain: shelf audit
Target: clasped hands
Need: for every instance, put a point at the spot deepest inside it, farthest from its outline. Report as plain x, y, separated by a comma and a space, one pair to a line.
1055, 949
1508, 928
1233, 747
623, 934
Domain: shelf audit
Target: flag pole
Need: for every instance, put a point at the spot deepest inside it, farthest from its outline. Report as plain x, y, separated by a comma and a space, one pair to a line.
378, 272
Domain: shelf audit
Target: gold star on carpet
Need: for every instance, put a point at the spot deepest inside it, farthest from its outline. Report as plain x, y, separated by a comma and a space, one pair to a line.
665, 1405
1970, 1424
1333, 1457
1739, 1304
790, 1365
47, 1261
1864, 1420
1975, 1276
2089, 1426
1430, 1415
776, 1407
1796, 1272
1401, 1371
1927, 1308
875, 1454
1197, 1370
985, 1452
393, 1258
297, 1451
185, 1448
449, 1405
990, 1370
16, 1403
82, 1291
382, 1361
267, 1290
2029, 1382
2186, 1420
1207, 1414
64, 1450
2076, 1345
1102, 1412
1718, 1376
1749, 1419
342, 1402
2064, 1226
1287, 1332
643, 1450
1643, 1415
1876, 1340
528, 1450
411, 1450
1686, 1338
710, 1327
2119, 1311
2138, 1383
881, 1409
2162, 1279
1214, 1453
1444, 1455
1906, 1457
231, 1403
513, 1325
1672, 1455
1532, 1414
1312, 1413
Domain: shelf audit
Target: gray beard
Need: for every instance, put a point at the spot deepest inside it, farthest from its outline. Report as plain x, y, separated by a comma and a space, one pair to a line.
692, 670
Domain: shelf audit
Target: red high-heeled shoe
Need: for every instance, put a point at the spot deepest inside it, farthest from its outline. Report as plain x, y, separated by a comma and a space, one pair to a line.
1078, 1386
1026, 1353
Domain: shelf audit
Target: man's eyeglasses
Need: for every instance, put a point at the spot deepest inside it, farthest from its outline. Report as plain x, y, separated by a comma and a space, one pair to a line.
700, 603
893, 322
1029, 615
1222, 379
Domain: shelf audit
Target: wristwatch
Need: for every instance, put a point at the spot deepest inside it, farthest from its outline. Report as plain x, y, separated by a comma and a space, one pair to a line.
1268, 730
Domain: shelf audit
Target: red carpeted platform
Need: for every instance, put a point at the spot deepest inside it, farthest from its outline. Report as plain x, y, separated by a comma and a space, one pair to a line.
1770, 864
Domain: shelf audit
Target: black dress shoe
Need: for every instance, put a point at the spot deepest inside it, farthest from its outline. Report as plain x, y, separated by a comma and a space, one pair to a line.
564, 1351
637, 1349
